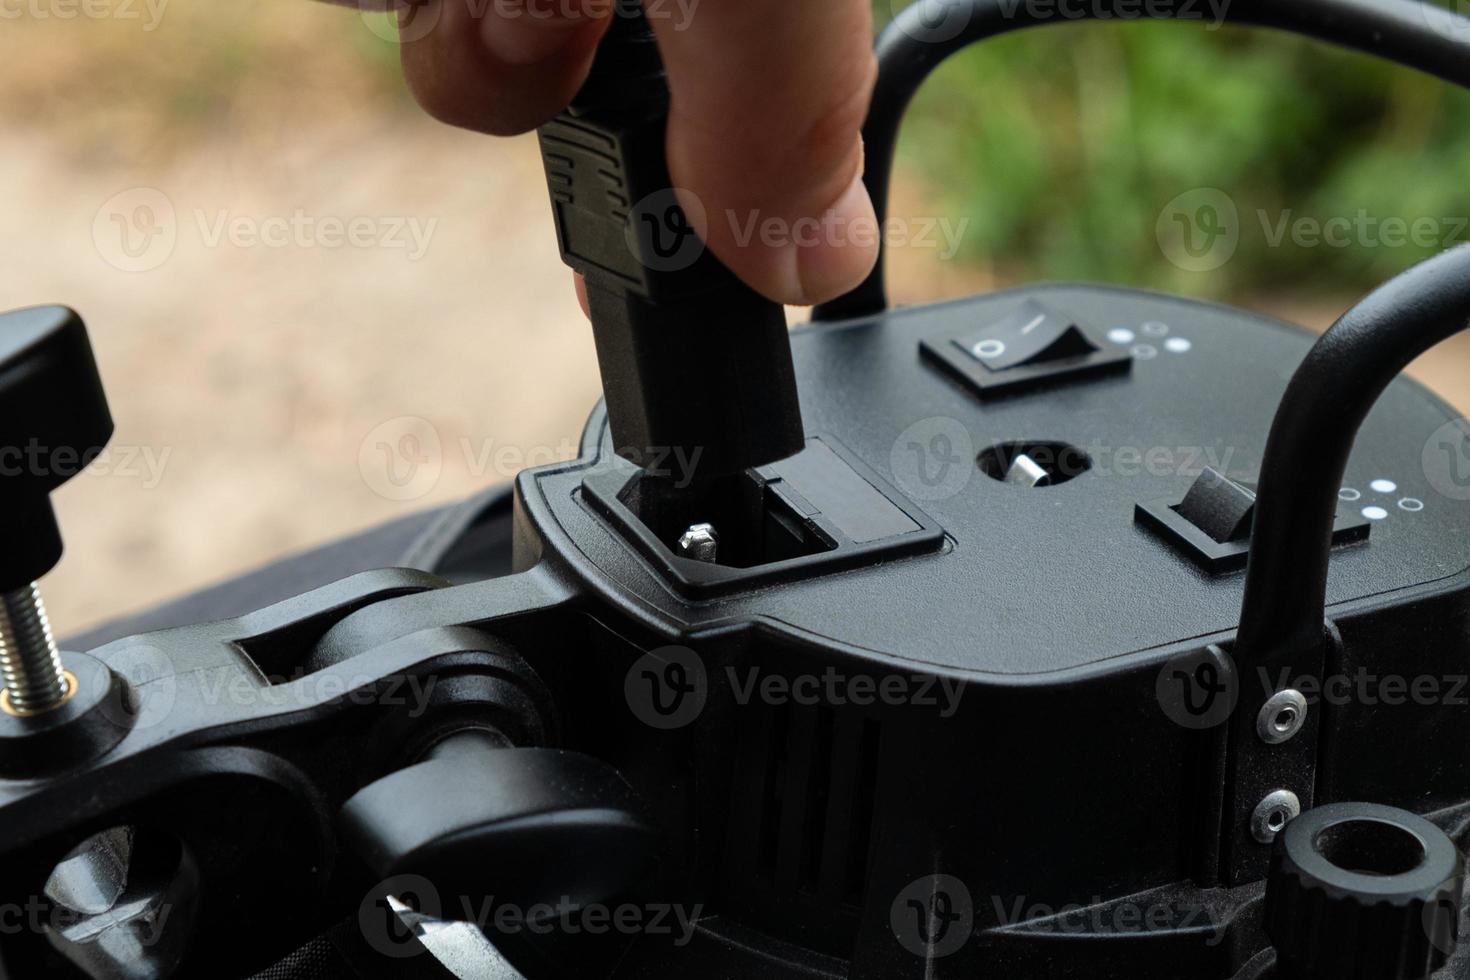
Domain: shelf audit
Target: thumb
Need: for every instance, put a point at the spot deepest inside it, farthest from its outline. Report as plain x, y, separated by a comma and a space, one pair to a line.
768, 103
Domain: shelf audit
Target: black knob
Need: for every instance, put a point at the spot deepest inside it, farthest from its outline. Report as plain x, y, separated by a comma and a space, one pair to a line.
529, 826
53, 422
1359, 891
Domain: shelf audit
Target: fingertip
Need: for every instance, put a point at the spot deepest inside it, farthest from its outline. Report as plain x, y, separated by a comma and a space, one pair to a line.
808, 260
830, 268
500, 68
579, 283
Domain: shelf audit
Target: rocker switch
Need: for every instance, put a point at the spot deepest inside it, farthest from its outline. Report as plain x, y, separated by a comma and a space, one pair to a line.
1219, 506
1023, 347
1031, 334
1212, 524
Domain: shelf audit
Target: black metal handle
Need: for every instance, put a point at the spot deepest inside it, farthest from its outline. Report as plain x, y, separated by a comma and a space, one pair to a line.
1307, 451
926, 33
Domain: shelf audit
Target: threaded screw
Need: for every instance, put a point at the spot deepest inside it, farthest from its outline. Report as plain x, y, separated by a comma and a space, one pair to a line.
30, 664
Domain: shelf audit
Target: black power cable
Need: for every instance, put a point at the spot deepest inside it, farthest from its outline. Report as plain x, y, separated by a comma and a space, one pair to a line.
1413, 33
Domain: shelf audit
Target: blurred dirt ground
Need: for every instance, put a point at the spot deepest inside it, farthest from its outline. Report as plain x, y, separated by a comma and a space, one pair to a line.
256, 383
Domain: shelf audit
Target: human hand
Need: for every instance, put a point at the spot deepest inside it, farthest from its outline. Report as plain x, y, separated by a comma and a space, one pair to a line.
768, 102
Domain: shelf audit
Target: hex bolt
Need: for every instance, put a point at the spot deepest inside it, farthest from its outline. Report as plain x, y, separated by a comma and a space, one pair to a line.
700, 543
1281, 717
35, 681
1273, 814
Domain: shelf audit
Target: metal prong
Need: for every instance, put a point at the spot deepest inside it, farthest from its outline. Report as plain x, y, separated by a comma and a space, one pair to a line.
700, 543
1026, 472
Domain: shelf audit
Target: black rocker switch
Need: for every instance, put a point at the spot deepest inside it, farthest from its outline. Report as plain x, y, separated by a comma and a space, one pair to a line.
1212, 524
1033, 343
1219, 506
1030, 335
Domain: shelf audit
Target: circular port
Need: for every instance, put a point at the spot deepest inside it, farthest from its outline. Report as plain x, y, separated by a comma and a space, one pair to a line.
1360, 891
1371, 847
1033, 464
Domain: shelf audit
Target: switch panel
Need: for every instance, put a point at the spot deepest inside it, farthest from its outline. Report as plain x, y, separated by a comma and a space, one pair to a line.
1034, 343
1212, 524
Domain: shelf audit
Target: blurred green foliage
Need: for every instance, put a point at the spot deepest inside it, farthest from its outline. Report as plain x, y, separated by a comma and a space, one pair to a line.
1063, 146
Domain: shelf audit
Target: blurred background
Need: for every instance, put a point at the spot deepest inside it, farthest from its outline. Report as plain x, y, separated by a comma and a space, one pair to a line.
286, 267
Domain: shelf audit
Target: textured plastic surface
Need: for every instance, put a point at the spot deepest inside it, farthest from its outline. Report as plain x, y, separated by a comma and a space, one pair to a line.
1064, 578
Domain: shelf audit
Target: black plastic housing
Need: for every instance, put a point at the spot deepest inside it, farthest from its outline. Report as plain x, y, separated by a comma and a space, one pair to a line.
1041, 760
978, 756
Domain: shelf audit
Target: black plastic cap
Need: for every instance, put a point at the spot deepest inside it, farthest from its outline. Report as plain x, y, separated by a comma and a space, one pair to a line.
54, 421
528, 827
1359, 891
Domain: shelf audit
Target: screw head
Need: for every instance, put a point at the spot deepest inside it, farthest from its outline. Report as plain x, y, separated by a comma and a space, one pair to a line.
700, 543
1282, 716
1273, 814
